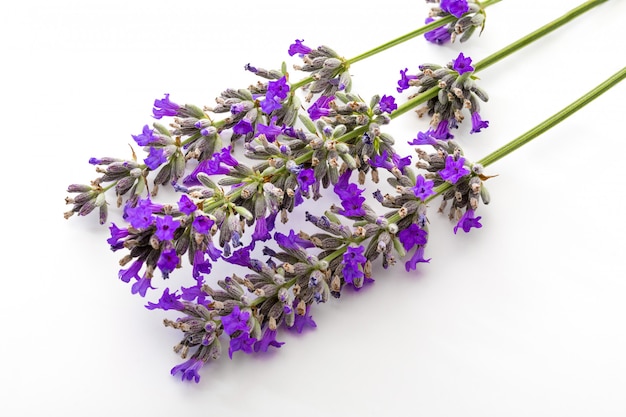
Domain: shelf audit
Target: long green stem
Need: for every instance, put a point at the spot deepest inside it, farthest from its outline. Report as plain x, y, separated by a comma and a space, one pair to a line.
520, 43
553, 120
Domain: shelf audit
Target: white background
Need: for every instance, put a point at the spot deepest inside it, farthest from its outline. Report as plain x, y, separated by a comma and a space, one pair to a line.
522, 317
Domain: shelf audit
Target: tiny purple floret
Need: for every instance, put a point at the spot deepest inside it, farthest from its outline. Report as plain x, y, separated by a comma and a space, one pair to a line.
165, 107
236, 320
403, 83
156, 158
467, 221
298, 48
167, 302
387, 104
478, 123
189, 370
185, 205
455, 7
423, 188
454, 170
146, 137
165, 227
462, 64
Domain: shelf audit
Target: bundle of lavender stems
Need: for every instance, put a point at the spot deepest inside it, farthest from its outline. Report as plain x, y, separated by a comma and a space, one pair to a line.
222, 184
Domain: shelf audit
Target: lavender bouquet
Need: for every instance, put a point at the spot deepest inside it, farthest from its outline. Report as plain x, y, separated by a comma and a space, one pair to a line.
223, 183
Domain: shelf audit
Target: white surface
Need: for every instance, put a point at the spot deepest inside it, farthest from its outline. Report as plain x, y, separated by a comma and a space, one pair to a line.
522, 317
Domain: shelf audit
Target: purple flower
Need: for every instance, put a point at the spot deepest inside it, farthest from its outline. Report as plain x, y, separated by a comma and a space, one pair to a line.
293, 241
467, 221
236, 320
202, 224
195, 293
269, 104
211, 166
201, 265
270, 131
117, 234
278, 88
140, 216
260, 230
268, 339
185, 205
400, 163
241, 256
165, 107
462, 64
443, 131
167, 302
352, 259
146, 137
381, 161
387, 104
141, 286
353, 206
243, 127
250, 68
418, 257
423, 188
320, 107
276, 92
168, 261
298, 48
454, 169
306, 178
225, 156
344, 189
411, 236
403, 83
454, 7
301, 321
242, 342
165, 227
132, 271
439, 35
350, 196
424, 138
189, 369
213, 252
235, 109
155, 158
478, 123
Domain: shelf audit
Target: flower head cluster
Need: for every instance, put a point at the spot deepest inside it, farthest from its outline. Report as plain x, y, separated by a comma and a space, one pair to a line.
456, 91
469, 16
328, 70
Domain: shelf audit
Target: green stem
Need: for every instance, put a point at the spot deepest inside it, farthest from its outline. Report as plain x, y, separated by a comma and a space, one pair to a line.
554, 120
433, 25
519, 44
